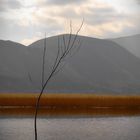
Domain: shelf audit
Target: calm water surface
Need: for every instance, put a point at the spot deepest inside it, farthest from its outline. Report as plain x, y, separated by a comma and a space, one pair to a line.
99, 128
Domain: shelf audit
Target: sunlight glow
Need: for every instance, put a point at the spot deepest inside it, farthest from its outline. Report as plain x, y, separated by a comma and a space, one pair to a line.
103, 18
29, 2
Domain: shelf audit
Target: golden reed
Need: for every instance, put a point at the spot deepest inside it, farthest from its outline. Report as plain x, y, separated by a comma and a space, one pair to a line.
69, 104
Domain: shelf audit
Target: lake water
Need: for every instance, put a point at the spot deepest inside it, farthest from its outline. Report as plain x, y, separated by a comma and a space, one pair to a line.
97, 128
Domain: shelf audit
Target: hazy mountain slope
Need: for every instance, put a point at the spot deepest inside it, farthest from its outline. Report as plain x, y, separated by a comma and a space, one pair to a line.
13, 69
100, 66
131, 43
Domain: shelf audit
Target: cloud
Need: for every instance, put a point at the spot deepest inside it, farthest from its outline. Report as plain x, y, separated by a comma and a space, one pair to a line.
138, 1
28, 41
65, 2
9, 4
99, 16
26, 18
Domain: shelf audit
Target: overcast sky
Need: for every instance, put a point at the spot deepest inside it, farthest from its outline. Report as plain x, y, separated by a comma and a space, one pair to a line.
25, 21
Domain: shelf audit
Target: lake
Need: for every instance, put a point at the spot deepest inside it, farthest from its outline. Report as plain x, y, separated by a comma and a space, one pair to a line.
96, 128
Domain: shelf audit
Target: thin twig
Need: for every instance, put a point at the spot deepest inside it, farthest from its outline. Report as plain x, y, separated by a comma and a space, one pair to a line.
64, 43
30, 78
58, 53
75, 37
43, 62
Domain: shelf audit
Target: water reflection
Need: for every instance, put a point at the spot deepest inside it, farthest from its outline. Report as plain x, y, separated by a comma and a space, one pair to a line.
71, 111
97, 128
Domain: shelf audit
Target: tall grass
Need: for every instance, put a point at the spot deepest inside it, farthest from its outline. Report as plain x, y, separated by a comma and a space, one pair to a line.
67, 104
70, 100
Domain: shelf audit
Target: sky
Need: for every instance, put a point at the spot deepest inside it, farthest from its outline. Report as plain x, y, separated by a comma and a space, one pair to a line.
26, 21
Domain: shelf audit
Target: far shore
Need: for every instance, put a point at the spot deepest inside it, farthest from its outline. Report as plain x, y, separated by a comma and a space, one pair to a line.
69, 104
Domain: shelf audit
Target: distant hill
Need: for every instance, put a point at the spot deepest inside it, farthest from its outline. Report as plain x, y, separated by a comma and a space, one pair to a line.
13, 68
100, 66
131, 43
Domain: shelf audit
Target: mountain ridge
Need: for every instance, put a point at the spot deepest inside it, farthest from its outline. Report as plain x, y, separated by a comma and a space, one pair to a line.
99, 66
130, 43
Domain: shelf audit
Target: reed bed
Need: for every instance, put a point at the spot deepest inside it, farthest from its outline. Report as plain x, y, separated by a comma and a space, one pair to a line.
69, 100
69, 104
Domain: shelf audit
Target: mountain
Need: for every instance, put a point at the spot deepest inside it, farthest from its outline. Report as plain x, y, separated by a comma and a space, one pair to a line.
99, 66
131, 43
13, 72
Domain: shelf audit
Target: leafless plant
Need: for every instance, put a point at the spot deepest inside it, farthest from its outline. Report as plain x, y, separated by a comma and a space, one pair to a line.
64, 51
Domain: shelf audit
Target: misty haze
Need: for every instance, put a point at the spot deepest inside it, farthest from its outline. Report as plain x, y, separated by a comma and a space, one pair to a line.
69, 69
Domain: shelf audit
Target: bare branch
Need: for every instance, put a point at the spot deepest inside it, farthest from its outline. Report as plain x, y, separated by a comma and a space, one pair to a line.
75, 37
59, 69
64, 43
30, 78
75, 50
56, 67
69, 40
61, 47
43, 62
58, 53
